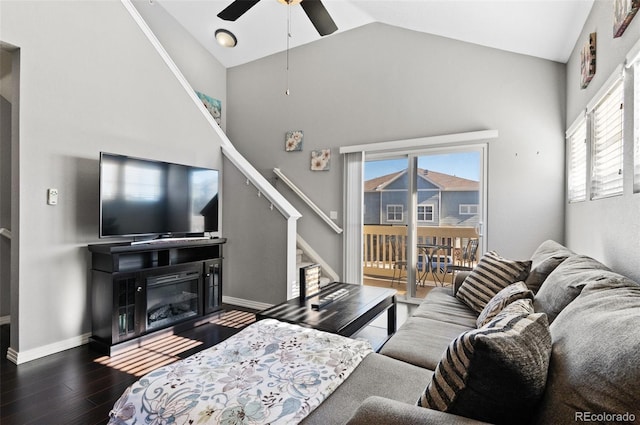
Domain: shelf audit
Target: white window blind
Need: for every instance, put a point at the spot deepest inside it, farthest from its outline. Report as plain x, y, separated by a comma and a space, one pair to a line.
607, 148
577, 162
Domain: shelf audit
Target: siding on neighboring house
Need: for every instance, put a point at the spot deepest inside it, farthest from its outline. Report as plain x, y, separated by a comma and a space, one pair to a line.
443, 192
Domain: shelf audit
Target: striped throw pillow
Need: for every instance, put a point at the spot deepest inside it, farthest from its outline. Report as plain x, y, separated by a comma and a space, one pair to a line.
492, 274
506, 296
496, 373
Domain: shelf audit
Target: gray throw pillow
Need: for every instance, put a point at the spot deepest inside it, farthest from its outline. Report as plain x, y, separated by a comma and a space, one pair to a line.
564, 284
545, 259
506, 296
496, 373
595, 361
492, 274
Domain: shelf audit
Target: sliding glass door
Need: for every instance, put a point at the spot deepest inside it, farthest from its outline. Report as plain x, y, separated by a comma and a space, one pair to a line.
421, 211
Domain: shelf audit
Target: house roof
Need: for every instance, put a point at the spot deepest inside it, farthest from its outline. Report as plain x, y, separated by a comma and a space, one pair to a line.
444, 182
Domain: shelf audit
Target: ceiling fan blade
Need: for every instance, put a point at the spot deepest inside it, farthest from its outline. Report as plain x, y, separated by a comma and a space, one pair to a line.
236, 9
319, 16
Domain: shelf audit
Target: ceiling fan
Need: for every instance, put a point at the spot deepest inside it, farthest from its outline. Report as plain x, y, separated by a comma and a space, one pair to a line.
314, 9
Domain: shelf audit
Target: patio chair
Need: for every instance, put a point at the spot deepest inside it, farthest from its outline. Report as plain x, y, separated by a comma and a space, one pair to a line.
400, 266
466, 260
469, 253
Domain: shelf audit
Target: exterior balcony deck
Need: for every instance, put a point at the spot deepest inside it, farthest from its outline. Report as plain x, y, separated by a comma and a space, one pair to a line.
385, 255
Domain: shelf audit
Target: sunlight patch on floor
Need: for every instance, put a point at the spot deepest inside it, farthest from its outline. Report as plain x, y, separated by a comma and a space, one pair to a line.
165, 350
234, 319
142, 360
421, 290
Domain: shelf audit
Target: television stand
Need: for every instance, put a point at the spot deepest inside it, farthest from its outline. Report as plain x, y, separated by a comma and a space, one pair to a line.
142, 290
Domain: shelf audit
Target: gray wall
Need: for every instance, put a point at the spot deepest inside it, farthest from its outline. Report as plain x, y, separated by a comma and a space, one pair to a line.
85, 87
255, 267
379, 83
606, 229
204, 73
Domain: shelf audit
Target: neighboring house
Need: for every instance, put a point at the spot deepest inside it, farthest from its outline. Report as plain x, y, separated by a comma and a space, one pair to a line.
443, 199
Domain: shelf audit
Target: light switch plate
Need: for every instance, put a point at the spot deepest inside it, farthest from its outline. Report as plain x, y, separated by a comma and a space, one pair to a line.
333, 215
52, 196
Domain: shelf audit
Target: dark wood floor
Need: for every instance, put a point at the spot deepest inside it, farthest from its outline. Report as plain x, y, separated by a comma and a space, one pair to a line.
80, 386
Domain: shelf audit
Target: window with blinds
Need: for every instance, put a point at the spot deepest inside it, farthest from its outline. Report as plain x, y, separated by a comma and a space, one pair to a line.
607, 148
577, 162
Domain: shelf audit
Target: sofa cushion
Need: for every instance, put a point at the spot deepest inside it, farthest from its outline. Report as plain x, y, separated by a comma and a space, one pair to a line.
506, 296
376, 375
594, 366
382, 411
421, 341
496, 373
564, 284
544, 260
491, 274
440, 304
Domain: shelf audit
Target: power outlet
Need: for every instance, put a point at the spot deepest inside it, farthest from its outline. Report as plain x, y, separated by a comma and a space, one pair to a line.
52, 196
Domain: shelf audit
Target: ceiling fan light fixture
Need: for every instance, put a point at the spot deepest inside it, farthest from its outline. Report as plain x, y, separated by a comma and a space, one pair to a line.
225, 38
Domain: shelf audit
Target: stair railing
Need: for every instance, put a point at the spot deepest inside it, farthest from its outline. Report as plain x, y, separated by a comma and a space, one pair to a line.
316, 258
5, 232
307, 200
230, 152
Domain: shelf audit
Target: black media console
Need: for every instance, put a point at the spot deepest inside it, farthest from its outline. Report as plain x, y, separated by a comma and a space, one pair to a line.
139, 291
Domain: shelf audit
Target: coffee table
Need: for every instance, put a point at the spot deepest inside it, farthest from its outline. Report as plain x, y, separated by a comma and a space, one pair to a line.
344, 316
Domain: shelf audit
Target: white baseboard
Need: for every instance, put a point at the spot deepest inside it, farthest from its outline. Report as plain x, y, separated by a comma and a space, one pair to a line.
245, 303
39, 352
5, 320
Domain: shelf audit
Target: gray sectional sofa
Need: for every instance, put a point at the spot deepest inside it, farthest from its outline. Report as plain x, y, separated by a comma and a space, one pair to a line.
586, 367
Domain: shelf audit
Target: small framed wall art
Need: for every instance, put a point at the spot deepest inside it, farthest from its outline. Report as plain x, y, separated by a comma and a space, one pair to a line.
623, 13
214, 106
588, 61
320, 160
293, 141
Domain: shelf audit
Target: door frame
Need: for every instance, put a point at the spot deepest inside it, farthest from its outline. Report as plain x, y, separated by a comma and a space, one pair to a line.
352, 266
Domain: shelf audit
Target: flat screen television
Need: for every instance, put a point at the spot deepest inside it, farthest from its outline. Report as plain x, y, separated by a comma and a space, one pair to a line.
143, 197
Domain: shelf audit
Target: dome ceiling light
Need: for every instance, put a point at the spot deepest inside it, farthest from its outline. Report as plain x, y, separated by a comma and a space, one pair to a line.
225, 38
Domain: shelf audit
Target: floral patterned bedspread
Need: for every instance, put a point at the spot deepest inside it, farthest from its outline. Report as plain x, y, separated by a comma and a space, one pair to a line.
269, 373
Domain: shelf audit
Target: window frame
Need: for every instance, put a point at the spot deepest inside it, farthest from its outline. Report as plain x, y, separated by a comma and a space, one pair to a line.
600, 148
575, 140
433, 213
394, 220
469, 207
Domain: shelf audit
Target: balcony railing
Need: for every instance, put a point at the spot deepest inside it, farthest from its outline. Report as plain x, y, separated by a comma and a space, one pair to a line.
385, 250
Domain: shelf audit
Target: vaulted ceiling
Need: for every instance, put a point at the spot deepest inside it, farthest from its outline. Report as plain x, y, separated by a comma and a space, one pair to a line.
542, 28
